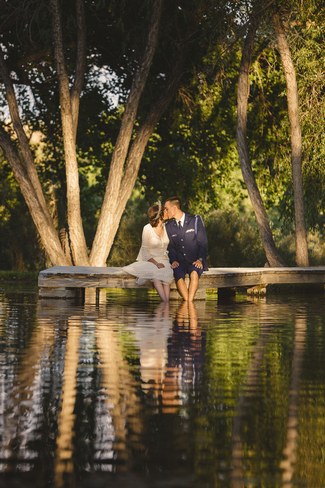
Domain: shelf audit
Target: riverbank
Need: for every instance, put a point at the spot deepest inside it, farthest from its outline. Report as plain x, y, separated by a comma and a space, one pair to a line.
21, 276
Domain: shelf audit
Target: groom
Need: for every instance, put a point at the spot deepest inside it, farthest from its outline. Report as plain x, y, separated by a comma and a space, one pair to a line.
188, 247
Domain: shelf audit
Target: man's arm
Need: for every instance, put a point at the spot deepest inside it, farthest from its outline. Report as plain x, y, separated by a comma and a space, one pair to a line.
202, 241
172, 255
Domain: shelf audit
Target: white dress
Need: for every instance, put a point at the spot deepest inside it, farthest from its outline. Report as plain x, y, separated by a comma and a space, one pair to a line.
152, 246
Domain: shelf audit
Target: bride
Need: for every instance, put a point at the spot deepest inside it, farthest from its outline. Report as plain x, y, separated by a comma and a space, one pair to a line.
152, 262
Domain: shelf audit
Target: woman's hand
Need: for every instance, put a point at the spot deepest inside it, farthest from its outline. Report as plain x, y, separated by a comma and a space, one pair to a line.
153, 261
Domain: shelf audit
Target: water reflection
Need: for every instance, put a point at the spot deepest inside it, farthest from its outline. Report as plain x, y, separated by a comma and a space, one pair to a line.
66, 418
290, 449
151, 334
204, 394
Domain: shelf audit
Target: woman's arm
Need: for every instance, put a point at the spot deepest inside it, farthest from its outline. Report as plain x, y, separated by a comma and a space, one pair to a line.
146, 246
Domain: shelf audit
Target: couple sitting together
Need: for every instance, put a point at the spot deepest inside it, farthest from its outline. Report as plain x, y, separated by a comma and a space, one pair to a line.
174, 244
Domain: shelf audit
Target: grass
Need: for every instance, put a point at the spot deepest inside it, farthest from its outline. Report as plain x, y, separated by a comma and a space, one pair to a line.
21, 276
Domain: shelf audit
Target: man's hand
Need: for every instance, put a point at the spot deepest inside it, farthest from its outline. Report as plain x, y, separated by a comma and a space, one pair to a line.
198, 264
175, 264
160, 265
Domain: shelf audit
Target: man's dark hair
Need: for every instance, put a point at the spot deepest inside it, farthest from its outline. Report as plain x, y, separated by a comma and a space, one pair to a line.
175, 200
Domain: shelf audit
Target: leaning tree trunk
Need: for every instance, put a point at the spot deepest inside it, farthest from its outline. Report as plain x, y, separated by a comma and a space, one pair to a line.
23, 167
296, 141
136, 151
272, 254
112, 207
69, 113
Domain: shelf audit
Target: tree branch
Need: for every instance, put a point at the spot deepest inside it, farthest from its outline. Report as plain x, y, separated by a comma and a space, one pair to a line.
60, 61
77, 236
13, 107
296, 140
38, 211
80, 64
146, 128
27, 160
99, 251
272, 254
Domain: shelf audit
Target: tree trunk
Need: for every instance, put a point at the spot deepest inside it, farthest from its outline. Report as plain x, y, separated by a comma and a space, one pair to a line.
80, 64
22, 164
136, 152
296, 141
273, 257
69, 112
112, 207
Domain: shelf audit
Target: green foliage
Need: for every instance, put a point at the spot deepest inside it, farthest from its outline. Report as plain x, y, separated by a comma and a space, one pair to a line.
193, 154
19, 246
307, 38
15, 276
233, 239
128, 240
193, 150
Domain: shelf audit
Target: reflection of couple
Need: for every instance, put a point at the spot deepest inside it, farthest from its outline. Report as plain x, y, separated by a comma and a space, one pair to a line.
171, 354
169, 250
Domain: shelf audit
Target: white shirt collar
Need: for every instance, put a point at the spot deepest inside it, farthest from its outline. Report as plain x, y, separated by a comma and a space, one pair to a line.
181, 220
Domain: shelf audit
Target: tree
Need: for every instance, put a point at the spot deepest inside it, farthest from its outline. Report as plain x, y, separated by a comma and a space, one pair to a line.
92, 148
296, 141
20, 158
69, 103
272, 254
138, 119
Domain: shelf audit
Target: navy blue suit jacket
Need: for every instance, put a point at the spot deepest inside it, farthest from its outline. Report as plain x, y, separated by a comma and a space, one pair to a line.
189, 243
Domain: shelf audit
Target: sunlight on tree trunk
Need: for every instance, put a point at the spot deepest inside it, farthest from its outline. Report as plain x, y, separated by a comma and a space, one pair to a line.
22, 162
136, 151
272, 254
69, 125
112, 207
296, 141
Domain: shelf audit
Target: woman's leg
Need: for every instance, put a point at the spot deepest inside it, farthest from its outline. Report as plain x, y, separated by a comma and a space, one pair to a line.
160, 289
167, 291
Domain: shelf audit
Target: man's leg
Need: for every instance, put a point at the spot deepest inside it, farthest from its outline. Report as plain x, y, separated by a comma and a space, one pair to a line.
192, 313
194, 284
182, 314
182, 288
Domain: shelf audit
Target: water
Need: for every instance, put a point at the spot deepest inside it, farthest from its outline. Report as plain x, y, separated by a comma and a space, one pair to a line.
134, 394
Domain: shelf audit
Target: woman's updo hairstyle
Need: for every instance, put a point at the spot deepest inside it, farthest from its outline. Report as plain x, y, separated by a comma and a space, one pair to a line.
155, 214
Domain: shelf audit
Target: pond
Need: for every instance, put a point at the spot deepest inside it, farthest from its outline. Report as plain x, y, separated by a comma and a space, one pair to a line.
132, 393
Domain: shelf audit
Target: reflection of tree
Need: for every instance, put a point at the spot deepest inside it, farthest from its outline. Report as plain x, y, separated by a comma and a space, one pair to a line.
290, 449
203, 395
122, 400
24, 410
250, 383
22, 407
66, 420
121, 417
